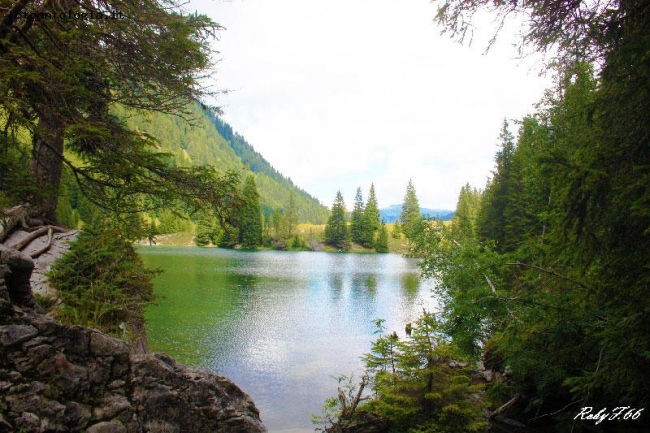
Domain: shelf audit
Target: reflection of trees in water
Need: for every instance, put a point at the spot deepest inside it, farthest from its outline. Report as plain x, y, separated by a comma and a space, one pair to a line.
244, 281
410, 284
364, 286
336, 284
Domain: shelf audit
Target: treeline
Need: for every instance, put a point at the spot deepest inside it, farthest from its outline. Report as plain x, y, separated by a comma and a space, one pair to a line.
364, 227
249, 227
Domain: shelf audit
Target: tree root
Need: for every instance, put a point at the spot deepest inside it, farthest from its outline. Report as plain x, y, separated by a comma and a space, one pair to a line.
47, 246
37, 234
21, 217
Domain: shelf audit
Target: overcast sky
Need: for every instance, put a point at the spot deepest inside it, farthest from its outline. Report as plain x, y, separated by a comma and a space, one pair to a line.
337, 94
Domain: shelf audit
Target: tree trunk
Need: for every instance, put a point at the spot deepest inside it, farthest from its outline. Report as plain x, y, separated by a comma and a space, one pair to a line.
47, 162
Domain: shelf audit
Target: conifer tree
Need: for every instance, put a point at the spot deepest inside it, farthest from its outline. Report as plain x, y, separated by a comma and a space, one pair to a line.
371, 219
250, 215
336, 230
151, 58
492, 224
467, 208
207, 229
411, 218
292, 216
357, 220
397, 230
381, 246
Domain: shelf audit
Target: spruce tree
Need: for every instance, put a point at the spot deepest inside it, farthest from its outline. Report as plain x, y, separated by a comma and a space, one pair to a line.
411, 218
381, 246
336, 230
397, 230
292, 216
467, 208
153, 57
250, 215
207, 229
357, 219
371, 219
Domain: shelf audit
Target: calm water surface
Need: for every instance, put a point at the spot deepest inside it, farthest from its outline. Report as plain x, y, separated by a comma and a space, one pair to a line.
279, 324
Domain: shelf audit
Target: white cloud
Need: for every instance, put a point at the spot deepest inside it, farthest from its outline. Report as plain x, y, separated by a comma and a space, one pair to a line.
343, 93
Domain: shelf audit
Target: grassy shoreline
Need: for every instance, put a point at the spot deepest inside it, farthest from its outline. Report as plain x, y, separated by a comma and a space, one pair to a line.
315, 231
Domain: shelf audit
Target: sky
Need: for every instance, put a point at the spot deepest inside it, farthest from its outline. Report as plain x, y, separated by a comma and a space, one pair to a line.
339, 94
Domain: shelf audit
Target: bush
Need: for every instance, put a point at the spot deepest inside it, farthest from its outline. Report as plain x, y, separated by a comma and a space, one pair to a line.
102, 282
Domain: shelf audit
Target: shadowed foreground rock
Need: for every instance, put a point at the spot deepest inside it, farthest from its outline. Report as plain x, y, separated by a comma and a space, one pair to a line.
60, 378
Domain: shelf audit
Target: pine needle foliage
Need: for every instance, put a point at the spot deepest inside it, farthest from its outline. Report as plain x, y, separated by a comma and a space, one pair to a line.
102, 281
418, 385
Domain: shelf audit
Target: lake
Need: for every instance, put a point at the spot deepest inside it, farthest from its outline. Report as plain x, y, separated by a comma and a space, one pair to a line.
282, 325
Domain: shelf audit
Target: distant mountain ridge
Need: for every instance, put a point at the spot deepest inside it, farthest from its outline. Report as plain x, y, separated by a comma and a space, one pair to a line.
392, 213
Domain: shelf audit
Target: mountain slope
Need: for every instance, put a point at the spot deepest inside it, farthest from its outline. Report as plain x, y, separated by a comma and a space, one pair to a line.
208, 140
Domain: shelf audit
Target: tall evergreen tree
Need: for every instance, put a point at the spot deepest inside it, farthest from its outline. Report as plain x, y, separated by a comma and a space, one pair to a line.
466, 215
371, 219
397, 230
207, 229
336, 230
381, 245
492, 223
150, 60
357, 220
292, 216
250, 215
411, 218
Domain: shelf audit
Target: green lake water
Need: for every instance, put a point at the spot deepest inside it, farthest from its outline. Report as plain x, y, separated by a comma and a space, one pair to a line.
279, 324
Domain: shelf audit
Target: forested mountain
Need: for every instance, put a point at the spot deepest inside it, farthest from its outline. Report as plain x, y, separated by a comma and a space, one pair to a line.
205, 139
392, 213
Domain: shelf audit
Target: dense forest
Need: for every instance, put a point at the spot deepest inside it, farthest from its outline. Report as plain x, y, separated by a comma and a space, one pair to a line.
543, 272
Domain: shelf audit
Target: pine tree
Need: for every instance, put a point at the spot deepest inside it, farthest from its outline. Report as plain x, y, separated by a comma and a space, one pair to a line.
381, 246
467, 208
371, 219
411, 218
397, 230
357, 219
292, 216
152, 62
250, 216
336, 230
207, 229
492, 220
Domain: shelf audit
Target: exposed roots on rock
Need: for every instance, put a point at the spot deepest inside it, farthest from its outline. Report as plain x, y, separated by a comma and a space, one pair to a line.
23, 217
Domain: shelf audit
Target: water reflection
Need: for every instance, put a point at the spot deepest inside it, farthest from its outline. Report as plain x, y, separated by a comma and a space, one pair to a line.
279, 324
410, 285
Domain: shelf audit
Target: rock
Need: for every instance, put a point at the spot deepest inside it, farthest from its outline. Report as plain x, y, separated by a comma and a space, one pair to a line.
107, 427
60, 378
15, 334
16, 277
60, 246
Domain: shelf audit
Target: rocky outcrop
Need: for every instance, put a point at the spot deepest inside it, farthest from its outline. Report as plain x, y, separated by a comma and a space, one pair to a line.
60, 245
61, 378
